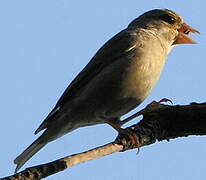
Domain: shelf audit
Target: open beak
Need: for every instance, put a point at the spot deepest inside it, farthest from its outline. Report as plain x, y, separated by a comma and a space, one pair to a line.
182, 37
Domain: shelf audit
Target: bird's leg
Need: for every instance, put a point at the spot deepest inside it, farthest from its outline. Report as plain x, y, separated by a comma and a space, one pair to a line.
116, 124
141, 112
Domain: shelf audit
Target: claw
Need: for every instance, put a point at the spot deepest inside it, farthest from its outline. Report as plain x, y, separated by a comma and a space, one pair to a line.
135, 141
165, 100
156, 103
132, 136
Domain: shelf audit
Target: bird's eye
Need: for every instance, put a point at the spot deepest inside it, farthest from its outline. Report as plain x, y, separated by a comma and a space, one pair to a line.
167, 18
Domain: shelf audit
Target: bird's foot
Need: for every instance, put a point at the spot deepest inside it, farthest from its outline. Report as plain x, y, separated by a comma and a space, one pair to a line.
143, 111
157, 103
134, 139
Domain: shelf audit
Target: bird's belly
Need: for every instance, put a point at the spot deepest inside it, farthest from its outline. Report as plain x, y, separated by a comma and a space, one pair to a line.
118, 90
141, 77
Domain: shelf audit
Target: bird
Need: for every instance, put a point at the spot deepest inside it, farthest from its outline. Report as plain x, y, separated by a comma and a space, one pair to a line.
116, 80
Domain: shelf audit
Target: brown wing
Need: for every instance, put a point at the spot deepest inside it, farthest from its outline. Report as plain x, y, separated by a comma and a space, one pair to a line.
118, 46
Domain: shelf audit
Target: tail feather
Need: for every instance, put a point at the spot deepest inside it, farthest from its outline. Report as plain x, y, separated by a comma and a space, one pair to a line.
28, 153
48, 120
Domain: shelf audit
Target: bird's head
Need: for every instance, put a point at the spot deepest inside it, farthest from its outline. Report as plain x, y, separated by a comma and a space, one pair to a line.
166, 24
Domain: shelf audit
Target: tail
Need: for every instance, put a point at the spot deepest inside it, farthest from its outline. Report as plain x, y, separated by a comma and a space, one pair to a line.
29, 152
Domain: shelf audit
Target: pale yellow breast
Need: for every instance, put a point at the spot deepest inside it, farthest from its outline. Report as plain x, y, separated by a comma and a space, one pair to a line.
144, 71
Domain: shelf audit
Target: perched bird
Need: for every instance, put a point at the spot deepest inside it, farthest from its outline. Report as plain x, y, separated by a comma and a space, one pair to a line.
116, 80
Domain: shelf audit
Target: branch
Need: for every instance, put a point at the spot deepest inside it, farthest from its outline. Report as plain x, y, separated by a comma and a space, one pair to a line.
159, 123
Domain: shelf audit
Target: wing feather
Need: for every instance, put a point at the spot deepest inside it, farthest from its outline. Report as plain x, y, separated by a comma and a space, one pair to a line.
111, 51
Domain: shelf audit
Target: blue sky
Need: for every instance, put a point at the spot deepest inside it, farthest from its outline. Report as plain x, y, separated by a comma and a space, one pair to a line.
43, 46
